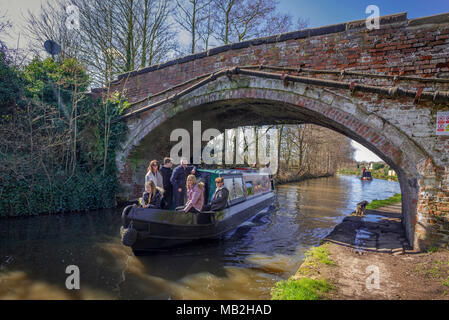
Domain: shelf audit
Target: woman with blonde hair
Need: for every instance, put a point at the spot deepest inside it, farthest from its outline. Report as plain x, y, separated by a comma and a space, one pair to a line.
195, 195
152, 196
154, 174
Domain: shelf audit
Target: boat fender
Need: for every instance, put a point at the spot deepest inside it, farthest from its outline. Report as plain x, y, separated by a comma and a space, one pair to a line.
129, 235
125, 220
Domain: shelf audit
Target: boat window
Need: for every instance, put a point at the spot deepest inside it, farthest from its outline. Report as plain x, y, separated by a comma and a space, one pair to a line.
238, 187
256, 184
235, 187
229, 184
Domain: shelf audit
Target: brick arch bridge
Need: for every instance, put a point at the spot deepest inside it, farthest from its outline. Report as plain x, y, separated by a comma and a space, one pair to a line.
381, 88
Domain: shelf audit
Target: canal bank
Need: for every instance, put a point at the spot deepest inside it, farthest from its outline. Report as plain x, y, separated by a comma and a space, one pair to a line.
366, 258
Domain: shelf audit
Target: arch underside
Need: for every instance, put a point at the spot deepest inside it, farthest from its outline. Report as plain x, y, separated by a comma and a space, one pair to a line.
245, 101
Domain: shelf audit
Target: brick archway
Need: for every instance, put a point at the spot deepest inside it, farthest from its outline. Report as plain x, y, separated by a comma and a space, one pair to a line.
403, 67
246, 100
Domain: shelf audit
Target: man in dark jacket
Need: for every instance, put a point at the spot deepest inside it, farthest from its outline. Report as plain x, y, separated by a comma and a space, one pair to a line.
166, 172
178, 180
219, 198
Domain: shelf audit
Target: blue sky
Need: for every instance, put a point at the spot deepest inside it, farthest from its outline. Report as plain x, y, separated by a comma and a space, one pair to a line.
326, 12
319, 12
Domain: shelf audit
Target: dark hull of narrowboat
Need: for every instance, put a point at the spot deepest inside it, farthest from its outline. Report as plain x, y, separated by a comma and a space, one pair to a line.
162, 229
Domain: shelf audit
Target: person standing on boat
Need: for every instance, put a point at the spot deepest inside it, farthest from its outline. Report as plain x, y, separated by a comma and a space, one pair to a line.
219, 198
195, 195
154, 174
267, 171
178, 180
166, 172
267, 176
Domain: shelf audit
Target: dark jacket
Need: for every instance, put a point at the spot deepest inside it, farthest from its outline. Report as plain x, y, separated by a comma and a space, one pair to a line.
155, 201
219, 199
179, 176
166, 175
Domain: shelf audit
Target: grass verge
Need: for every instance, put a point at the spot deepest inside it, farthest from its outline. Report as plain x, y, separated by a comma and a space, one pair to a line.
381, 203
308, 283
300, 289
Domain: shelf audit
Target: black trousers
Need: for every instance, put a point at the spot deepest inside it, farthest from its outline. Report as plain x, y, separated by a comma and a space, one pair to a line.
167, 201
179, 197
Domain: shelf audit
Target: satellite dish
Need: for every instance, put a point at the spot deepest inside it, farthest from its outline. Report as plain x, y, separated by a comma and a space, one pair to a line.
52, 47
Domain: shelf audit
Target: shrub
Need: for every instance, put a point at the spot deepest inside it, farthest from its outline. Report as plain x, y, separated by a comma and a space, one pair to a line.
69, 164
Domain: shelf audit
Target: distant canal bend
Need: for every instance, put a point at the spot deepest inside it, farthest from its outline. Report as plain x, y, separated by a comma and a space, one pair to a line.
34, 252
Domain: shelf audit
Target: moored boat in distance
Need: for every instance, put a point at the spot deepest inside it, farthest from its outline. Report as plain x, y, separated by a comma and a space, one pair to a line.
146, 229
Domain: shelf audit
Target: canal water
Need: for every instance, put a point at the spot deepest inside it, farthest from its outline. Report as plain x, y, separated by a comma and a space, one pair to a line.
245, 264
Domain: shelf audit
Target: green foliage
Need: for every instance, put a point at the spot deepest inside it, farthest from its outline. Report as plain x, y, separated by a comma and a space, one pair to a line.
106, 135
381, 203
320, 255
11, 86
46, 79
377, 166
79, 171
83, 191
300, 289
445, 282
432, 249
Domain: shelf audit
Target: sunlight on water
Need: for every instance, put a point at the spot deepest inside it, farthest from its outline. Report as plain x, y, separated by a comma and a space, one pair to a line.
245, 264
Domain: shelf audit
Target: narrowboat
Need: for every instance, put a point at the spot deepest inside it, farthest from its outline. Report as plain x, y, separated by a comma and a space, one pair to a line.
146, 229
367, 176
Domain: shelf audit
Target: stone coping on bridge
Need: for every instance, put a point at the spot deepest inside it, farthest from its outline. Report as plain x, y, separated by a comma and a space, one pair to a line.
301, 34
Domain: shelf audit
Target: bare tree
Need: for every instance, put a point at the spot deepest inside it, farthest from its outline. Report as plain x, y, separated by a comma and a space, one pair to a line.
191, 15
5, 23
206, 27
114, 36
239, 20
156, 33
313, 150
49, 24
223, 16
302, 23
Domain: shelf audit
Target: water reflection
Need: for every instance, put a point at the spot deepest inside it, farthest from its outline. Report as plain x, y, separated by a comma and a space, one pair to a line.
34, 252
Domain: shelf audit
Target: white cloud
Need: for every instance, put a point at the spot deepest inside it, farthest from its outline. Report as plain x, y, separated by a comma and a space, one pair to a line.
363, 154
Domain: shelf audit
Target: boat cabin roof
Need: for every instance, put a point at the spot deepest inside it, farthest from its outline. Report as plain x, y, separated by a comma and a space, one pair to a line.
220, 172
